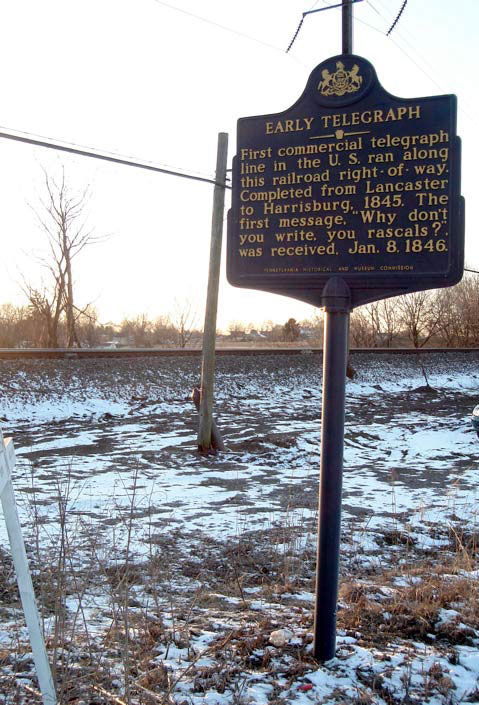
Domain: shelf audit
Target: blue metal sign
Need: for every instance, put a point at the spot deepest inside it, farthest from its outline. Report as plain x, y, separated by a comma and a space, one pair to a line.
349, 182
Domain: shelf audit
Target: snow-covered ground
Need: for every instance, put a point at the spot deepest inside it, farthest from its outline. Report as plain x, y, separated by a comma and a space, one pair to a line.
221, 550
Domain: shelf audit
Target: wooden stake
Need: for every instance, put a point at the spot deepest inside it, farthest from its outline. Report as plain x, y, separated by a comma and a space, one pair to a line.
209, 332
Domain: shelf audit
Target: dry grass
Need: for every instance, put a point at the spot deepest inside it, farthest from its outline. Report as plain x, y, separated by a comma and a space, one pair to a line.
150, 616
411, 608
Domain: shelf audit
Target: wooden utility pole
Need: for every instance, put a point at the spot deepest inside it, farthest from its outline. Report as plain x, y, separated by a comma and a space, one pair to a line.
209, 332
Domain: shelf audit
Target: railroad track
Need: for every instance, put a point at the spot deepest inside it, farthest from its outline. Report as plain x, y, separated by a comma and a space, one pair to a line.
90, 353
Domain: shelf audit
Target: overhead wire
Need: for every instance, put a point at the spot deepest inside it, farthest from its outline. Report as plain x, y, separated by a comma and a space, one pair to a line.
310, 11
357, 19
217, 24
107, 155
426, 67
402, 34
402, 37
420, 62
388, 34
94, 153
106, 151
298, 29
373, 8
428, 73
367, 24
423, 70
385, 9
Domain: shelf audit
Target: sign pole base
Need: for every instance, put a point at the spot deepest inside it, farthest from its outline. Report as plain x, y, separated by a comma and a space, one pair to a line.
335, 354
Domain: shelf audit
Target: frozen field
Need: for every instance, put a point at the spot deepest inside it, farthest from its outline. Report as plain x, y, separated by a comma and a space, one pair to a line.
109, 446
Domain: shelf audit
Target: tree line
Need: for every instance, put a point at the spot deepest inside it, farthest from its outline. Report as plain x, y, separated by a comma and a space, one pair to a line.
25, 327
439, 317
52, 316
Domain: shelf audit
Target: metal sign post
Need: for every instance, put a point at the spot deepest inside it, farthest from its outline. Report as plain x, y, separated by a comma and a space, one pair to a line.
337, 305
347, 27
349, 196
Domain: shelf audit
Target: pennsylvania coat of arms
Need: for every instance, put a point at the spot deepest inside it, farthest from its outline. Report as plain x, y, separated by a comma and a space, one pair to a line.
341, 81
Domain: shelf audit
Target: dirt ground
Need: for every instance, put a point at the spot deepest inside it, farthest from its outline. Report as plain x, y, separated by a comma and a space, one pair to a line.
267, 407
161, 573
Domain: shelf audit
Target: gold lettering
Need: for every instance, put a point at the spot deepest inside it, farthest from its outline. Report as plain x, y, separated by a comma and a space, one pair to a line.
251, 154
280, 126
251, 252
301, 250
346, 187
358, 249
390, 186
371, 116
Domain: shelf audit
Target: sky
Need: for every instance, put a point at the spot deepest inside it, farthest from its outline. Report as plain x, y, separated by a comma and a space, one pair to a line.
158, 81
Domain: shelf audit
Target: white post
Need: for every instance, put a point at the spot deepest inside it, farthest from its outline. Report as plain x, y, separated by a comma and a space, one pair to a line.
32, 618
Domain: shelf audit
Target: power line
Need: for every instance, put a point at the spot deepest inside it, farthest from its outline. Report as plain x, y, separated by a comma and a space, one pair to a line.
384, 9
35, 140
373, 8
107, 151
470, 115
469, 110
217, 24
366, 24
421, 68
402, 36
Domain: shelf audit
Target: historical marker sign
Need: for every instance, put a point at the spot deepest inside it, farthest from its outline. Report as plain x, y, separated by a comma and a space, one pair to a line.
350, 196
349, 182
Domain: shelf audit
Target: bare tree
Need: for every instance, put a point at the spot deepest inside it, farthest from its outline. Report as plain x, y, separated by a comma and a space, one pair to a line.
61, 217
47, 307
138, 330
272, 331
421, 315
183, 319
88, 328
237, 330
376, 324
15, 325
459, 305
162, 331
364, 327
313, 328
390, 319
